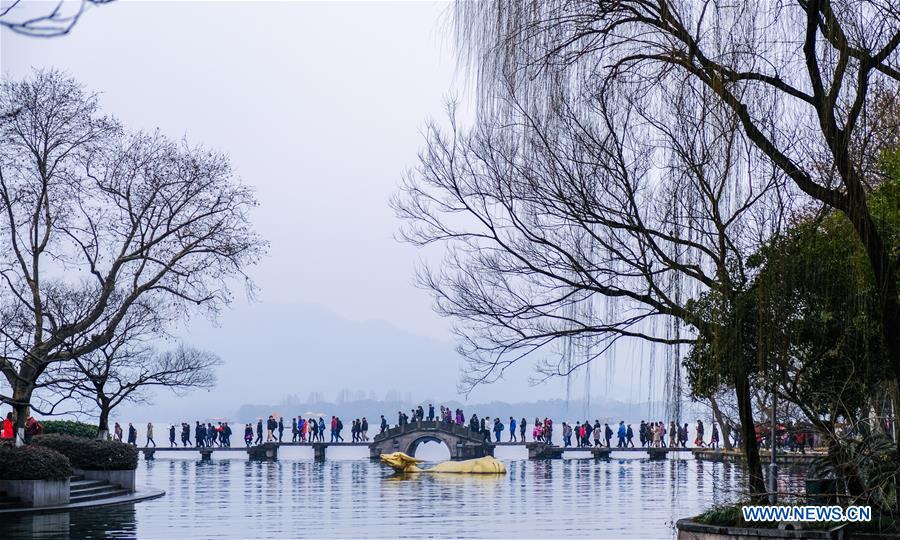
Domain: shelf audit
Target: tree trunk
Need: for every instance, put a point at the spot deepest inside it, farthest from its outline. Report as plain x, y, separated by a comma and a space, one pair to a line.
22, 409
756, 483
724, 427
885, 274
103, 431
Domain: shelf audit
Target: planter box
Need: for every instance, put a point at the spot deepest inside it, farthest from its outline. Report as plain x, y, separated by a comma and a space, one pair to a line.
38, 492
124, 478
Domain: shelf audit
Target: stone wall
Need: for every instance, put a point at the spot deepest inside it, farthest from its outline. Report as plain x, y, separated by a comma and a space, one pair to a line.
38, 492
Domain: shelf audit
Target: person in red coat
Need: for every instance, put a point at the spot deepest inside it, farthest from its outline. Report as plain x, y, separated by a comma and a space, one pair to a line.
7, 431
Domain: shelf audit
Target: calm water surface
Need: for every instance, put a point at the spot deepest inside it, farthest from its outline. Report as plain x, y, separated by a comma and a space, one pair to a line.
352, 498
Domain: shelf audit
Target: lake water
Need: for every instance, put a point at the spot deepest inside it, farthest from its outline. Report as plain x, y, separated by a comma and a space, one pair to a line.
347, 497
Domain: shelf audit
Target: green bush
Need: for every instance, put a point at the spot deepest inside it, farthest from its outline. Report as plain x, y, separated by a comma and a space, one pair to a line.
91, 454
33, 463
723, 516
68, 427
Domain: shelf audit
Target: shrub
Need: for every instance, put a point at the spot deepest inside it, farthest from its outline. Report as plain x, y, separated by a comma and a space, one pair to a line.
33, 463
91, 454
68, 427
726, 515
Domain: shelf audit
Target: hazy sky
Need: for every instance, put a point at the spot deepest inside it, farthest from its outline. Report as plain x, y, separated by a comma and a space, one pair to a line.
321, 107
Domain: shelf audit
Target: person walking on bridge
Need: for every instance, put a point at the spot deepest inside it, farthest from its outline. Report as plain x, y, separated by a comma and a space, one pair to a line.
150, 435
522, 425
248, 434
512, 429
698, 440
365, 429
598, 434
321, 429
498, 429
185, 434
172, 436
280, 428
629, 436
621, 434
258, 432
384, 425
132, 435
608, 433
430, 412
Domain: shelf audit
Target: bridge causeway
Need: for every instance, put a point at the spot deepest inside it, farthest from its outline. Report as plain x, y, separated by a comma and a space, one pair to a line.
462, 442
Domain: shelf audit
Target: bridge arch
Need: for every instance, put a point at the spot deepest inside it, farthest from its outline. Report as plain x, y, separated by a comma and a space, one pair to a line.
415, 443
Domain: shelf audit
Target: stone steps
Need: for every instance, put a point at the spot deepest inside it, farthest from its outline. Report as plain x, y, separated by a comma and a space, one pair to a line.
92, 490
81, 490
84, 484
105, 492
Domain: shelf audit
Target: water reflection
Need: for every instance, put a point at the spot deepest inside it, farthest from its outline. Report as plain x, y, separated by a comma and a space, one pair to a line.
343, 498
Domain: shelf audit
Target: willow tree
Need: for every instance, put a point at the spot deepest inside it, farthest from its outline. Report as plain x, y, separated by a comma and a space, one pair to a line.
97, 221
799, 79
588, 201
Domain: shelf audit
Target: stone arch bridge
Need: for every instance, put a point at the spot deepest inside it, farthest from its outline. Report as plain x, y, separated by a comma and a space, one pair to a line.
462, 442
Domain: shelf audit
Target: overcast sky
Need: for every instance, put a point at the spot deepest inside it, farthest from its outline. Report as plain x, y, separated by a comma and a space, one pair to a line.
321, 107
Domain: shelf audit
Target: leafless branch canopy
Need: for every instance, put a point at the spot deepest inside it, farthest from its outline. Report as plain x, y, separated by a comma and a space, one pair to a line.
587, 220
44, 19
98, 224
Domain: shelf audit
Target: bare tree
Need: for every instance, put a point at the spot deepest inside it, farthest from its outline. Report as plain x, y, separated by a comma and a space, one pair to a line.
127, 369
586, 203
96, 221
44, 19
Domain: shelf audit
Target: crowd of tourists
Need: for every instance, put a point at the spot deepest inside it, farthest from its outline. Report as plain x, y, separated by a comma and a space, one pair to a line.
789, 437
655, 434
492, 430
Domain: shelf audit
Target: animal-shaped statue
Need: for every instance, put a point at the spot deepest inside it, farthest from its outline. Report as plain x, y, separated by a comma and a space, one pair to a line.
403, 463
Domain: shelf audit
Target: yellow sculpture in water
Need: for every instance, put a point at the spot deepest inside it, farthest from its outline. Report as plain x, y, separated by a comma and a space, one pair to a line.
403, 463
